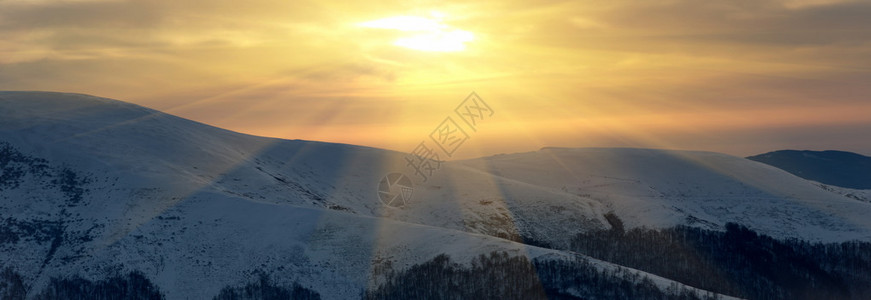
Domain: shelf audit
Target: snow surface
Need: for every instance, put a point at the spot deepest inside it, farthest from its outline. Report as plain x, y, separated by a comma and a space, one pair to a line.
197, 208
663, 188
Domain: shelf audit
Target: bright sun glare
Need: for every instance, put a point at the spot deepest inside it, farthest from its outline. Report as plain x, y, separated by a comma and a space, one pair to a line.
425, 34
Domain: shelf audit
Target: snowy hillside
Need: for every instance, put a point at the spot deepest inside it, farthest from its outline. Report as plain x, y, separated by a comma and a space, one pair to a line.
661, 188
95, 188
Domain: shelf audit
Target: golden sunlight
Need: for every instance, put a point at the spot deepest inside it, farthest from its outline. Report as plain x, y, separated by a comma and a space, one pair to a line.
426, 33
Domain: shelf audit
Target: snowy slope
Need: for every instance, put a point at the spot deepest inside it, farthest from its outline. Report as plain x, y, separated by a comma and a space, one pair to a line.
93, 186
663, 188
150, 149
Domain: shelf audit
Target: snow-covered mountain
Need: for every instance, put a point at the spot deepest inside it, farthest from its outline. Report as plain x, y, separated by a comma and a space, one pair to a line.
94, 187
658, 188
838, 168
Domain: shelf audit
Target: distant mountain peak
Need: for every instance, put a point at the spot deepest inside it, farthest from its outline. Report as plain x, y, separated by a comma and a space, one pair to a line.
832, 167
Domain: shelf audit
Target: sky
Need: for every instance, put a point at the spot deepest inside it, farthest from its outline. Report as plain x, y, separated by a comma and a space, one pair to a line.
738, 77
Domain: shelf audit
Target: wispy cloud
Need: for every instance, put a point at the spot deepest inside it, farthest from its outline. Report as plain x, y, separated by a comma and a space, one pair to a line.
282, 68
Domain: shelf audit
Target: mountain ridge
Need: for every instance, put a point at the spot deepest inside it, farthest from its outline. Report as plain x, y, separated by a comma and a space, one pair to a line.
833, 167
94, 190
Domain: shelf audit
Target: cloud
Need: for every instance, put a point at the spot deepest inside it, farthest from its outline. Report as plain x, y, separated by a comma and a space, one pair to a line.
91, 14
258, 62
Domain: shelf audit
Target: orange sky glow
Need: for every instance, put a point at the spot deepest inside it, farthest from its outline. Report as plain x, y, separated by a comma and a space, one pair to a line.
739, 77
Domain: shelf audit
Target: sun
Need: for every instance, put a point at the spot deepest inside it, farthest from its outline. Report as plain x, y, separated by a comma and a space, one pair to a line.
424, 33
